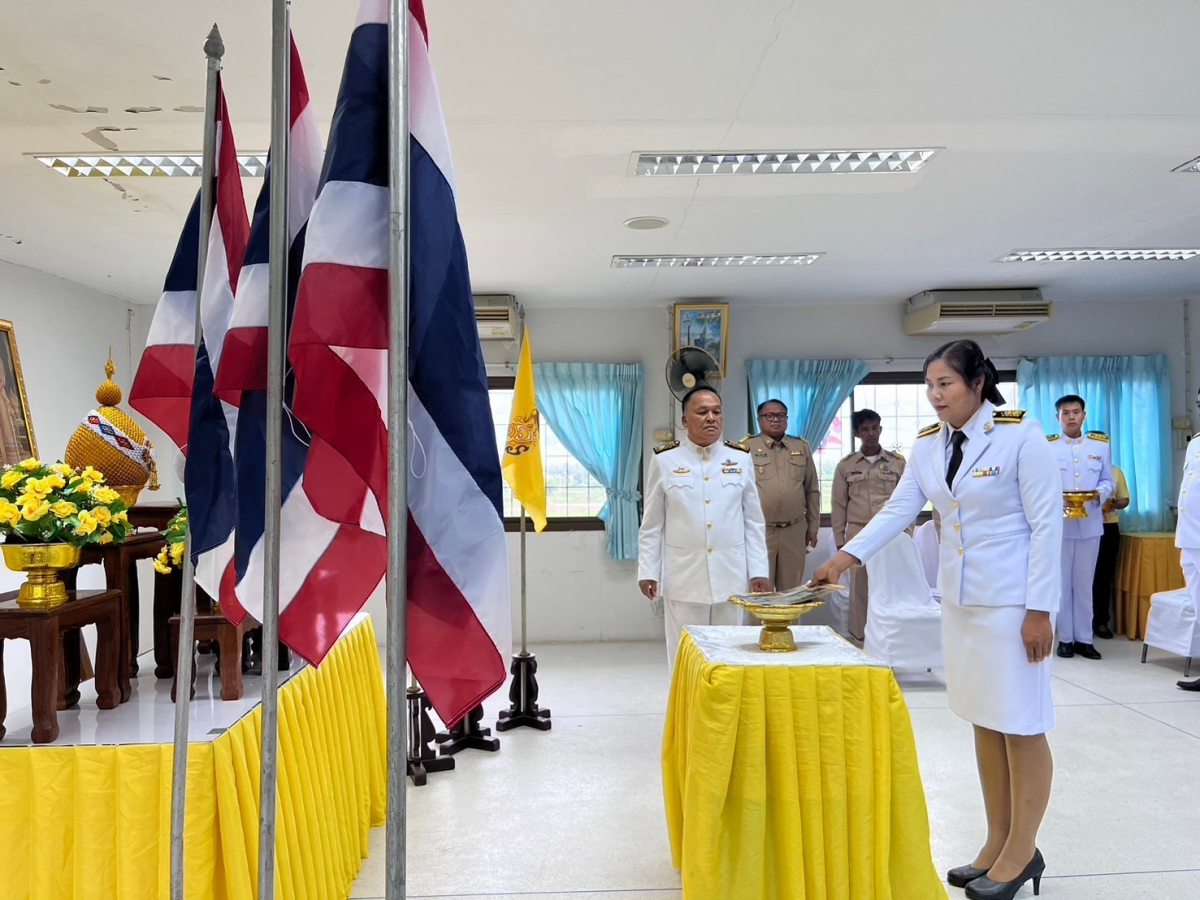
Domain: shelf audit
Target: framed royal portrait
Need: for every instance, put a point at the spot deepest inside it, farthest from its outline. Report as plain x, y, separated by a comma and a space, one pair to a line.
16, 427
703, 325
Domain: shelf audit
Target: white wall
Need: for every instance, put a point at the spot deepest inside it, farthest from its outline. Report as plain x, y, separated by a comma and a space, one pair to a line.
577, 593
63, 333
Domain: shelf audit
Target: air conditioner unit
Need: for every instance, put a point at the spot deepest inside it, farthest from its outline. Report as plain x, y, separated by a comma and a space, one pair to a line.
975, 312
497, 317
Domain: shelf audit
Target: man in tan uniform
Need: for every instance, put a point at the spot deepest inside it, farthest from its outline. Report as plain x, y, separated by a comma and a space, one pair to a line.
862, 484
789, 492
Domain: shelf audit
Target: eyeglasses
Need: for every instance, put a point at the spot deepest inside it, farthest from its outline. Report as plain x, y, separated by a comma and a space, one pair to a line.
773, 417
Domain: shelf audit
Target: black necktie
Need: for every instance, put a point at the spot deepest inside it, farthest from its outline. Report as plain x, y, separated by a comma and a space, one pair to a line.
957, 438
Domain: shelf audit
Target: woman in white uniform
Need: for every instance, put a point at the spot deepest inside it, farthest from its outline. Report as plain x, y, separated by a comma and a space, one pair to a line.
993, 480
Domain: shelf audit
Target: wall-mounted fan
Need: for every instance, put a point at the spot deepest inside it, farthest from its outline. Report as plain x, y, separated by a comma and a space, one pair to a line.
691, 367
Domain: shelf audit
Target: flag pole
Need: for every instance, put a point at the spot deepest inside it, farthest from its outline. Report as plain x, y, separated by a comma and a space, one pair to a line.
214, 50
277, 283
397, 419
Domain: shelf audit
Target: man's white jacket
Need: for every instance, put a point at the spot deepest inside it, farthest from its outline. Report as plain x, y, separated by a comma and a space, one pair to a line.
702, 536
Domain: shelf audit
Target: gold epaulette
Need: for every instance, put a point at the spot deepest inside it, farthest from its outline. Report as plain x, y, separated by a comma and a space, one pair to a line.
1098, 436
1008, 416
899, 456
671, 446
746, 438
806, 442
1052, 437
932, 429
737, 446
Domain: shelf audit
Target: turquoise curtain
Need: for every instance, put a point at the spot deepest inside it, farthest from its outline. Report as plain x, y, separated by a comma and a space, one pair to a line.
1129, 399
596, 411
812, 389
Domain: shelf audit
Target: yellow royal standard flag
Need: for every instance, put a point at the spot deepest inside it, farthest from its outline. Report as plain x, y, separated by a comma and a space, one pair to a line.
522, 464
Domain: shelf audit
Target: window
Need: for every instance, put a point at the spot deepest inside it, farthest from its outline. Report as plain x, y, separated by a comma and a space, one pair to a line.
899, 398
571, 492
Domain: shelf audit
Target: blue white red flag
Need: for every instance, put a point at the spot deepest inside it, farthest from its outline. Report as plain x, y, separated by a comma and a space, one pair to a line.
242, 381
209, 480
162, 385
458, 587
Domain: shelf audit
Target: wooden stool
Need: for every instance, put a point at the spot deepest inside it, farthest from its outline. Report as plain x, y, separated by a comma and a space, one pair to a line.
45, 630
209, 627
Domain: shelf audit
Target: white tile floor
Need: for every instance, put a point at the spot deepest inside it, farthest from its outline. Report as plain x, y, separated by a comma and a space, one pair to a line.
577, 812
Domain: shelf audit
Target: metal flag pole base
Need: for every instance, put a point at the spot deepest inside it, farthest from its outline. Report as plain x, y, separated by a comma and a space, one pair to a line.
467, 735
523, 693
422, 759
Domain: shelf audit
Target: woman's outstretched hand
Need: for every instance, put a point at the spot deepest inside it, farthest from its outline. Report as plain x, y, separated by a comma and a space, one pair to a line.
831, 571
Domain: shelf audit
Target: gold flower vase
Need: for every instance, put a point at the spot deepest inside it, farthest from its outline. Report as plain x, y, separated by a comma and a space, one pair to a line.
42, 564
1075, 500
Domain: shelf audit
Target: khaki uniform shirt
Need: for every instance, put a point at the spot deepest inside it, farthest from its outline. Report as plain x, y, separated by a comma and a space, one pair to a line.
786, 475
860, 490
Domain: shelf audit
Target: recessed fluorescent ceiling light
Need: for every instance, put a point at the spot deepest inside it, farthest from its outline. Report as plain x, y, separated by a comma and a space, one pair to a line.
1096, 255
172, 165
715, 262
792, 162
1192, 165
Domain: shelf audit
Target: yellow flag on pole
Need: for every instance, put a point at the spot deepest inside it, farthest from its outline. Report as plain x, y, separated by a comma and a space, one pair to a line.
522, 464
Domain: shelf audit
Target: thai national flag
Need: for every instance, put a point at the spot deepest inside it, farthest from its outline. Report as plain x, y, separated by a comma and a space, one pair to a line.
242, 376
458, 589
162, 386
209, 480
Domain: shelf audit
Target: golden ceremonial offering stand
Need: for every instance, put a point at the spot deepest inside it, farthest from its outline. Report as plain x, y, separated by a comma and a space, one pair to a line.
779, 611
1075, 500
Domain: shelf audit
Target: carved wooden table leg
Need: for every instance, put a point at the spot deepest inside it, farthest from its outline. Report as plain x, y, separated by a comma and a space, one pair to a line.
108, 659
168, 590
68, 694
3, 692
230, 641
117, 576
44, 649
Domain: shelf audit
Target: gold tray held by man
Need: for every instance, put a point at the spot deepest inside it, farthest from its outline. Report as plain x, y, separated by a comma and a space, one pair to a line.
779, 610
1074, 507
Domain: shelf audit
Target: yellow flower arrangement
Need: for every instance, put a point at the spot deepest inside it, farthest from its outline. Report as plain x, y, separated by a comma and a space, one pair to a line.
171, 556
52, 503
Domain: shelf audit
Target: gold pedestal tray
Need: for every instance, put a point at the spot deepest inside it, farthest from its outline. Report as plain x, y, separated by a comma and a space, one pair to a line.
42, 564
1075, 501
779, 611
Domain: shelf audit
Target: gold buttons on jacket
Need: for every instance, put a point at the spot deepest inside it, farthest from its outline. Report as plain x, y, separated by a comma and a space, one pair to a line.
957, 527
960, 551
955, 502
706, 477
710, 549
710, 524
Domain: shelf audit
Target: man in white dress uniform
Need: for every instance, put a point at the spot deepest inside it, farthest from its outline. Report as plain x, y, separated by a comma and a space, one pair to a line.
1187, 531
1085, 464
703, 536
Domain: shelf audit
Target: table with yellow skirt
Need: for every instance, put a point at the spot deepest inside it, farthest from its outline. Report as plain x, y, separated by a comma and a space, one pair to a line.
792, 775
1146, 564
94, 821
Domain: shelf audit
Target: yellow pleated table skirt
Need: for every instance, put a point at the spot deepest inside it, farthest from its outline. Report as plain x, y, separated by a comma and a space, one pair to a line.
793, 783
1146, 564
95, 821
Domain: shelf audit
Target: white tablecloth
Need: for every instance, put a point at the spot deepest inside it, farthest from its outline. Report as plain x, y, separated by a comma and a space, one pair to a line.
816, 645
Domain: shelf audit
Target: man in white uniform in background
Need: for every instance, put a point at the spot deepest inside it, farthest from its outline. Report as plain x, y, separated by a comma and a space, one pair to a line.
1187, 531
702, 536
1085, 463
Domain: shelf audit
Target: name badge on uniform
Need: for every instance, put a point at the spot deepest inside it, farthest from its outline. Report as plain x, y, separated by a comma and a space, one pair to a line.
1093, 457
796, 453
733, 470
989, 472
682, 471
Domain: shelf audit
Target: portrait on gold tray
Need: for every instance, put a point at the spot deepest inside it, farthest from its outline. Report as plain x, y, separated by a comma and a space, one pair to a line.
16, 428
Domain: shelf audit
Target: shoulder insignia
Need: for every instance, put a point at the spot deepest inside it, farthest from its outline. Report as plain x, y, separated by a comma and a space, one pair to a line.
932, 429
671, 446
899, 456
1052, 437
737, 446
806, 443
1008, 416
1098, 436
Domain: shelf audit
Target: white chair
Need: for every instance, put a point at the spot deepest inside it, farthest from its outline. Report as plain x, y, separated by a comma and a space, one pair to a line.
1172, 626
927, 546
904, 622
837, 603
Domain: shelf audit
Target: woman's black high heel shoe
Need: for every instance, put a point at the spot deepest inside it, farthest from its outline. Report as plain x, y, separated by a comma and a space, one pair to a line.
964, 875
986, 889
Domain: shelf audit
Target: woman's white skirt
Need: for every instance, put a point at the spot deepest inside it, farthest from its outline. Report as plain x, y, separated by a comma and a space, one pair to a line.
989, 679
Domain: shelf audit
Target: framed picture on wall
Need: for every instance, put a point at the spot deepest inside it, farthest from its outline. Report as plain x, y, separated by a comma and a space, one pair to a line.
703, 325
16, 428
